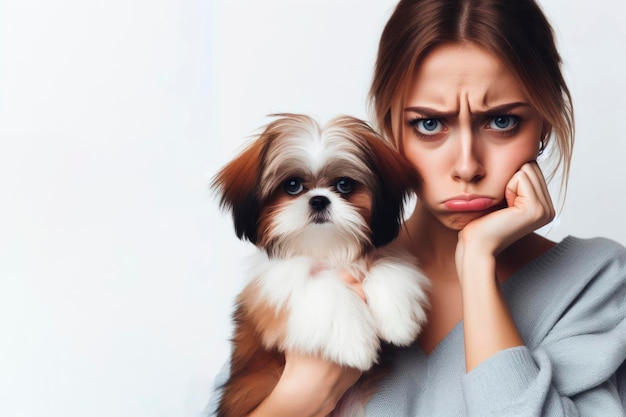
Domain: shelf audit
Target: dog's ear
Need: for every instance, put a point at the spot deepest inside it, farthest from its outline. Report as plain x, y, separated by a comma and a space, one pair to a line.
237, 184
397, 180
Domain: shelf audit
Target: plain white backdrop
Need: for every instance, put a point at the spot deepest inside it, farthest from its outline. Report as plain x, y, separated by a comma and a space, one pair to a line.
117, 269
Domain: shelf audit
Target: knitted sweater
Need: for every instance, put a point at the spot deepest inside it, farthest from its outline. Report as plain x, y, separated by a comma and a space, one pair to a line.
569, 306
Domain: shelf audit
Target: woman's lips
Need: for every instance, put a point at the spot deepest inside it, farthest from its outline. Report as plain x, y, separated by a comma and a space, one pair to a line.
468, 203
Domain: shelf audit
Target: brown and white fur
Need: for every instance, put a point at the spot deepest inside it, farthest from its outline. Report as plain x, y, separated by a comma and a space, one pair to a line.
318, 201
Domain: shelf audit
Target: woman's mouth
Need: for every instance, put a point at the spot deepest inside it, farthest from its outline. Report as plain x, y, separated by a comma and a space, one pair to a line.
468, 203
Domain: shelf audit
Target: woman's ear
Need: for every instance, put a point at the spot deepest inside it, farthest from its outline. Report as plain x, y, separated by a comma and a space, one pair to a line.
546, 131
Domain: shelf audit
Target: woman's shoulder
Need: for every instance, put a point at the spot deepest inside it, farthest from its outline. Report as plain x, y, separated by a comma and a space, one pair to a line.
599, 264
586, 253
596, 266
571, 263
579, 282
593, 243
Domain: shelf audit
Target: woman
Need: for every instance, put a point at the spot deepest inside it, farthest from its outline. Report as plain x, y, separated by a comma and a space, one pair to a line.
471, 92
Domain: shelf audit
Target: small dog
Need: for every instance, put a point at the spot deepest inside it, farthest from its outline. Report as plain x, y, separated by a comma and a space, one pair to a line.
318, 202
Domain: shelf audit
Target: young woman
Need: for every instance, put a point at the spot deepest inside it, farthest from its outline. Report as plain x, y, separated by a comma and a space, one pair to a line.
471, 92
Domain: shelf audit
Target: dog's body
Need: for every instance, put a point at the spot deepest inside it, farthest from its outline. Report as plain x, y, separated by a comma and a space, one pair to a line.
319, 202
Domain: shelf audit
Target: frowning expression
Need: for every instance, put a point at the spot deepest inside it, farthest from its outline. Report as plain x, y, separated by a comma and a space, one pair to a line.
468, 127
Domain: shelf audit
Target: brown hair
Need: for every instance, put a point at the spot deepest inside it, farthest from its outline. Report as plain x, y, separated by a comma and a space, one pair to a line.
516, 31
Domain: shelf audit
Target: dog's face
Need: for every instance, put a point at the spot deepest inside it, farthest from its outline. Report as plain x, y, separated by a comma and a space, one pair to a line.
332, 192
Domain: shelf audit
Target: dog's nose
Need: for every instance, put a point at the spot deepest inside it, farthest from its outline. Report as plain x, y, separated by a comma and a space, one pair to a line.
319, 202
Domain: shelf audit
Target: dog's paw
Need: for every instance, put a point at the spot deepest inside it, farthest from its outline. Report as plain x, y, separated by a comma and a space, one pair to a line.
326, 318
396, 296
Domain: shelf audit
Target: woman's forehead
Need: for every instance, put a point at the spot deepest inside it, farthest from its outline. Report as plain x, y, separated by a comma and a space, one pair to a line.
452, 75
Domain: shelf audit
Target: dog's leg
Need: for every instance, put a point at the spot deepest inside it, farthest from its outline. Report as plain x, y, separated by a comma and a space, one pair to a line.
254, 369
396, 296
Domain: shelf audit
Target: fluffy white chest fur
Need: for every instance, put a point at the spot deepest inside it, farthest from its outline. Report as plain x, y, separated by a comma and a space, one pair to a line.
324, 316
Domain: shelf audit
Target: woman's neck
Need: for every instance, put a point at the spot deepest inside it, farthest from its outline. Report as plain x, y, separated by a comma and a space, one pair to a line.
429, 240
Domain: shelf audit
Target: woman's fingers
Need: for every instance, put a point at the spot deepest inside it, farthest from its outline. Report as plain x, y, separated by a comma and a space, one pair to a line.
544, 187
536, 190
352, 283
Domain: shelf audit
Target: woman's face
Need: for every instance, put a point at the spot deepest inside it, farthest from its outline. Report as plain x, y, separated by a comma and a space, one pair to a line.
468, 127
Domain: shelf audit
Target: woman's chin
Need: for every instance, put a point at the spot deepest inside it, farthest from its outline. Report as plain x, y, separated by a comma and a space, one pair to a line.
458, 221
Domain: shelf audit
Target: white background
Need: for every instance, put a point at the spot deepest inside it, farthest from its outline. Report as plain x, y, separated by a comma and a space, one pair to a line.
117, 270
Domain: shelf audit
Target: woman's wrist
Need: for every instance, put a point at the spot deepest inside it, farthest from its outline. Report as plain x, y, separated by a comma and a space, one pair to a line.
308, 387
288, 400
475, 264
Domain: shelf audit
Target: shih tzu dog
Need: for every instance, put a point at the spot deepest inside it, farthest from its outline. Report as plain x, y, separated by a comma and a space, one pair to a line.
319, 202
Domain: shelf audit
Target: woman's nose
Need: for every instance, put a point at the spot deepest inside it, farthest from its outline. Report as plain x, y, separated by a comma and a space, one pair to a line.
468, 165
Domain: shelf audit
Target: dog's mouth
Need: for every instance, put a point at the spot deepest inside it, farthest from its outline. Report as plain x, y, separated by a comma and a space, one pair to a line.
320, 217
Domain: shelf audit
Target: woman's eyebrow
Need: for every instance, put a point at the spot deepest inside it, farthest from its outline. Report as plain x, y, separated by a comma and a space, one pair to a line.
428, 112
501, 109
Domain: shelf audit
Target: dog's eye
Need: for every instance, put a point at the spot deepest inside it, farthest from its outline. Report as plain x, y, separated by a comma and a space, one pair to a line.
293, 186
345, 185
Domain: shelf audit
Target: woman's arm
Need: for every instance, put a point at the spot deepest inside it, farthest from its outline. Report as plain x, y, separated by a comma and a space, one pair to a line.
489, 327
309, 386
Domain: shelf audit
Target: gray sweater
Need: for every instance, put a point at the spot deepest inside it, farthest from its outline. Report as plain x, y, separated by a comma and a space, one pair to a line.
569, 306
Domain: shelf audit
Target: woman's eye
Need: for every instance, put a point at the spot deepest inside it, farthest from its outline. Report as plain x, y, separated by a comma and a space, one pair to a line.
293, 186
427, 126
345, 185
503, 123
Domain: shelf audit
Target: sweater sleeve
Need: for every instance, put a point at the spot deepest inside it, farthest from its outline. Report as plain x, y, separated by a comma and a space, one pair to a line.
575, 370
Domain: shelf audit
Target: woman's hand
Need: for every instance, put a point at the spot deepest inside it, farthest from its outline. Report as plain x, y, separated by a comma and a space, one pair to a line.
310, 385
354, 284
529, 207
